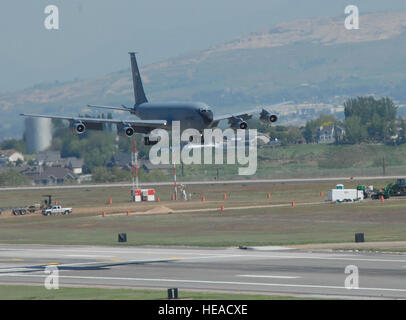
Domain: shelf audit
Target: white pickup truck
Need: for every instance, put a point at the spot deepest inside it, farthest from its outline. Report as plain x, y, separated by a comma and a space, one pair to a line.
56, 210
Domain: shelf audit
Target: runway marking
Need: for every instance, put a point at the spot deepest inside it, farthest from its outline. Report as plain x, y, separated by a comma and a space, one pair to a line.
152, 261
130, 251
263, 254
11, 260
209, 282
86, 256
102, 263
183, 252
327, 258
267, 276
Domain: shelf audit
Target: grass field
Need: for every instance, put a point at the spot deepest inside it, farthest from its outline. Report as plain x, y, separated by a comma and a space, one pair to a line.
20, 292
198, 223
310, 160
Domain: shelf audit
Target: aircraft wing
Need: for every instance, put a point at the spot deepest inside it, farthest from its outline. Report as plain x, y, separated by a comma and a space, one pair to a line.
121, 108
247, 114
141, 126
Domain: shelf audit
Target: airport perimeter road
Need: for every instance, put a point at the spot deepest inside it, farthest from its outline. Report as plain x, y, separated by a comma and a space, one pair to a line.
265, 270
162, 184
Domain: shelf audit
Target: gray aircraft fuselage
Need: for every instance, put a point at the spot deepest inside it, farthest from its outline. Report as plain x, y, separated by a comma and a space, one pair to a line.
195, 115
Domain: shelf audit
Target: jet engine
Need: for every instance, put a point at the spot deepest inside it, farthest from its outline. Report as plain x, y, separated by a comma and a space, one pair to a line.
78, 127
267, 117
125, 130
238, 123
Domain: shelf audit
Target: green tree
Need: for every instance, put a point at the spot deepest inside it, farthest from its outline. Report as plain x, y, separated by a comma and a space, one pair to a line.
354, 131
18, 145
12, 178
103, 174
95, 147
377, 117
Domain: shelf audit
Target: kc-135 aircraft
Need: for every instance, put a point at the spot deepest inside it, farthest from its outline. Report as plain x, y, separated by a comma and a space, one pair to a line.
159, 115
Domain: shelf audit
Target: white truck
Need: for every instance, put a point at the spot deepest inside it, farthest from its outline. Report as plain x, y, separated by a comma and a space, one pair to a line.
56, 210
345, 195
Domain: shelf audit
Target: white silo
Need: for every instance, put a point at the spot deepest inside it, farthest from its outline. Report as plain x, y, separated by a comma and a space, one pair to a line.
38, 134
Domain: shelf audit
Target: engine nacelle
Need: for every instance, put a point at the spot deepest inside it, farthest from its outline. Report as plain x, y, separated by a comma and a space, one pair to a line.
238, 123
78, 127
125, 130
267, 117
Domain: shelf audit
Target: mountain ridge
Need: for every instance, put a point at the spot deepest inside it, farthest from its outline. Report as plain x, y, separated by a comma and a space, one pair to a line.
309, 61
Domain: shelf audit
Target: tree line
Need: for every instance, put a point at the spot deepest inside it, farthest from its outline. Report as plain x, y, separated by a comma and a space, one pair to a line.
366, 120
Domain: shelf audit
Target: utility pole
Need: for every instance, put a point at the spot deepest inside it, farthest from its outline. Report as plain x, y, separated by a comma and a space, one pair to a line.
134, 169
383, 166
174, 178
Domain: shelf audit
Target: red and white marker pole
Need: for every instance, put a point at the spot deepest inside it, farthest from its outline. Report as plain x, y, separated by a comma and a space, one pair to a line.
174, 177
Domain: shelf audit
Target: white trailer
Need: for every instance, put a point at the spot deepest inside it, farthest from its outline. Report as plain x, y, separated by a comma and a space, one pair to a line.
345, 195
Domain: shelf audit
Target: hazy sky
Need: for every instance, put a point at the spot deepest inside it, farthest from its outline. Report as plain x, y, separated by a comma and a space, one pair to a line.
95, 35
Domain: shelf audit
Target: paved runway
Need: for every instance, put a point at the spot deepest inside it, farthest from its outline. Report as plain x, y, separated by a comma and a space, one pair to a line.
269, 270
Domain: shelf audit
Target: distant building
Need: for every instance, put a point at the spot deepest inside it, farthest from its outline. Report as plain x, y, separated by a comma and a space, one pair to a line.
329, 134
122, 160
75, 164
84, 178
49, 175
10, 156
48, 158
53, 159
148, 166
38, 135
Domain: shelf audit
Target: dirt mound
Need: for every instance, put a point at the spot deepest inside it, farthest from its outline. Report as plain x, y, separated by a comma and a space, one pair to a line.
158, 209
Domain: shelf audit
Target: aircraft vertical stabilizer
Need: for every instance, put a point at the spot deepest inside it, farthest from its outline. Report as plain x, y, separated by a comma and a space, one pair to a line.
139, 94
